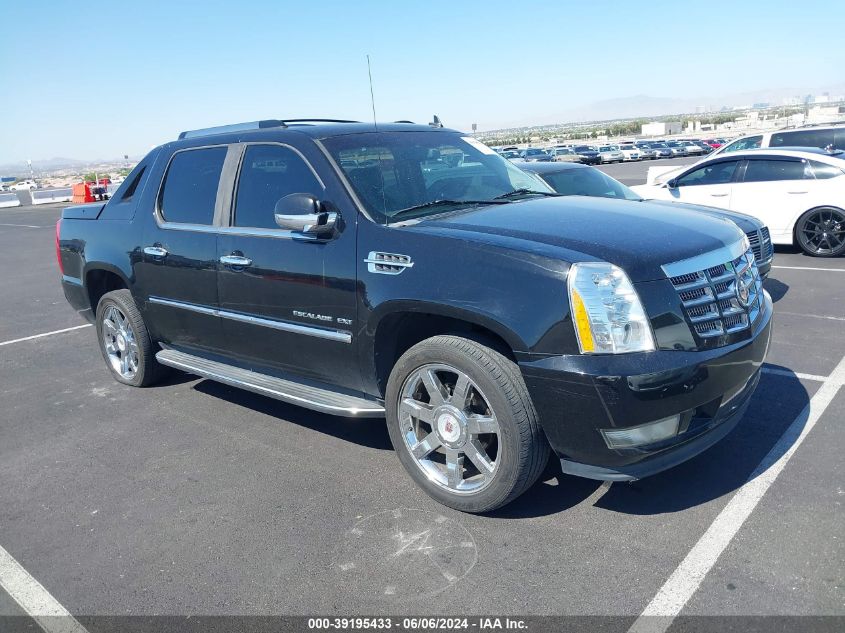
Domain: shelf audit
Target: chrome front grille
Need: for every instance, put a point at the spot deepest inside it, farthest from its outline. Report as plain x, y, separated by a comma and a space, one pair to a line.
761, 244
719, 298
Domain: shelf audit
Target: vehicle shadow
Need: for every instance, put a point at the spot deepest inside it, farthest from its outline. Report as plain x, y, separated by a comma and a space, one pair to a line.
368, 432
778, 401
777, 289
717, 472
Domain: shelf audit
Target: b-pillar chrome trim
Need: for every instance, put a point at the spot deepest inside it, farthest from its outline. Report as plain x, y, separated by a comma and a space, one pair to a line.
340, 336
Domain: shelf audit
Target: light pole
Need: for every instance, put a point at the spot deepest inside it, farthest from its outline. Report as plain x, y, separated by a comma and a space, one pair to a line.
31, 174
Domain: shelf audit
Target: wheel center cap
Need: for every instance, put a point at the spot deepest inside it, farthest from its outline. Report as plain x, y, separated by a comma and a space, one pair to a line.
448, 427
121, 342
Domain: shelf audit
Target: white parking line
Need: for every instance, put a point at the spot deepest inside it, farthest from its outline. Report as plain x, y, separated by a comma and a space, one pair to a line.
813, 316
35, 336
830, 270
26, 226
777, 371
34, 598
685, 580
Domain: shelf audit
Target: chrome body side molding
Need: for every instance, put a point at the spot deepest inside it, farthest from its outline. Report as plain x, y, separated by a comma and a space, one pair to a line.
340, 336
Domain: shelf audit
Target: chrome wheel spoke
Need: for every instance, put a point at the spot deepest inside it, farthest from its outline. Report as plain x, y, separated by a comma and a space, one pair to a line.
478, 456
109, 327
436, 390
454, 468
430, 443
477, 424
417, 409
461, 391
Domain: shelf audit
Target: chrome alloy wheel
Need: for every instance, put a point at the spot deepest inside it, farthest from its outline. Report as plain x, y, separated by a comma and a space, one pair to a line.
449, 428
120, 343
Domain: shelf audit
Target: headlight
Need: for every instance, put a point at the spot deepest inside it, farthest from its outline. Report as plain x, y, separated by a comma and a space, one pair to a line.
606, 310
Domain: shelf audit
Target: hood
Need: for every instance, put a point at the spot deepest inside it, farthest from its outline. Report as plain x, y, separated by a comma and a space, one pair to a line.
745, 222
637, 236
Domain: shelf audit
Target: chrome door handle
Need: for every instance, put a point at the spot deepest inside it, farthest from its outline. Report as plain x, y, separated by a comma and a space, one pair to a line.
718, 195
796, 192
155, 251
235, 260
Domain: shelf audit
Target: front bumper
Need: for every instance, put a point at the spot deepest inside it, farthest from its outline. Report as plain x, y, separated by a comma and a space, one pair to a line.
577, 396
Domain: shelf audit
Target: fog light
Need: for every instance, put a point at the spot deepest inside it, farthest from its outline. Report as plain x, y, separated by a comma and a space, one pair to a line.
643, 434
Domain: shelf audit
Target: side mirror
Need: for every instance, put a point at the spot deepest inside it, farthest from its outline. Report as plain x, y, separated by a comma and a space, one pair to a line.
672, 184
303, 213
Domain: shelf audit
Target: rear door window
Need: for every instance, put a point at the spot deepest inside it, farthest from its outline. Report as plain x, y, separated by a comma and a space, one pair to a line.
771, 170
189, 193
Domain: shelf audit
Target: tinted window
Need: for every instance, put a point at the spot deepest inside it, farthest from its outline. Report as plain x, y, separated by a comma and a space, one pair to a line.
190, 186
713, 174
588, 182
752, 142
268, 174
768, 170
802, 138
823, 170
839, 139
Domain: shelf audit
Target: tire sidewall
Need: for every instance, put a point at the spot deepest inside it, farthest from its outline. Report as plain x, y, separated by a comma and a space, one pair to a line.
507, 472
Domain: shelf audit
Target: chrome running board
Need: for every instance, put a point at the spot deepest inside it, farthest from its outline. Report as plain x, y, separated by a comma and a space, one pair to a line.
323, 400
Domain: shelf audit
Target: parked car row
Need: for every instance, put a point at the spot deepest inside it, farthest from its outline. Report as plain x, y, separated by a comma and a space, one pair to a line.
612, 152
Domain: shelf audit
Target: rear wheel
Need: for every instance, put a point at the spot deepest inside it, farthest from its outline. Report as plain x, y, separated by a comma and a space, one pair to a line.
820, 232
125, 342
463, 424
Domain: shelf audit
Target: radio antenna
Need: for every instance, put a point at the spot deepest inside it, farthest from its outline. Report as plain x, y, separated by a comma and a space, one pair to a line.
372, 96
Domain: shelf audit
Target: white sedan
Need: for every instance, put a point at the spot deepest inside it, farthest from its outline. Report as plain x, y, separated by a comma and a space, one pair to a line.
799, 194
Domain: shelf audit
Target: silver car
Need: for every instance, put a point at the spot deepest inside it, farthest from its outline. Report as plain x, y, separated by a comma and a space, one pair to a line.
609, 154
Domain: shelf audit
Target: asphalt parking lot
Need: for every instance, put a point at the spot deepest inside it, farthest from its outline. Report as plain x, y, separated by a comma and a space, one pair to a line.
192, 498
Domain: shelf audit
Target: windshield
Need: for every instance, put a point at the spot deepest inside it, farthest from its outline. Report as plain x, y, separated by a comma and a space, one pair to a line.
587, 181
584, 148
395, 172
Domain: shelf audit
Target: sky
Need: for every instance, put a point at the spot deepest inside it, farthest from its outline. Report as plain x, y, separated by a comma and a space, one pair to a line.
86, 83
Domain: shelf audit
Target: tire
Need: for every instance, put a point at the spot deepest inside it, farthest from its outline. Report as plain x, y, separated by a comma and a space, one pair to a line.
483, 424
820, 232
125, 342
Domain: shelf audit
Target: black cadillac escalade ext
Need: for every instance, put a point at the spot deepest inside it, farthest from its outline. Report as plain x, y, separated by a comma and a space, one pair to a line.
409, 272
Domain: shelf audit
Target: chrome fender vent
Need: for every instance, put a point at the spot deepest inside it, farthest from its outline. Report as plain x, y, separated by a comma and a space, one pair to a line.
387, 263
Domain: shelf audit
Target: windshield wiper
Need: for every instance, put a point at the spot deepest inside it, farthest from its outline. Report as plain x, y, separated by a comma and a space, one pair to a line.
443, 203
525, 192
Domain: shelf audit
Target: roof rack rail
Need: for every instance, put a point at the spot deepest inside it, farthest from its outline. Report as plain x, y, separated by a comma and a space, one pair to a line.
254, 125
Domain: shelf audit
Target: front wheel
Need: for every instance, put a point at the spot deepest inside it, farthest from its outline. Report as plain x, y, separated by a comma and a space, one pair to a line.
463, 424
820, 232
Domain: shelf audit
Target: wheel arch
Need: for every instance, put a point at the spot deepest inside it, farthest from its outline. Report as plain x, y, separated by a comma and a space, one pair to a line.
100, 278
397, 326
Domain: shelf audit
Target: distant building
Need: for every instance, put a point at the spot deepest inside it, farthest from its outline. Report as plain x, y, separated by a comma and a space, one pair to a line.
661, 128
